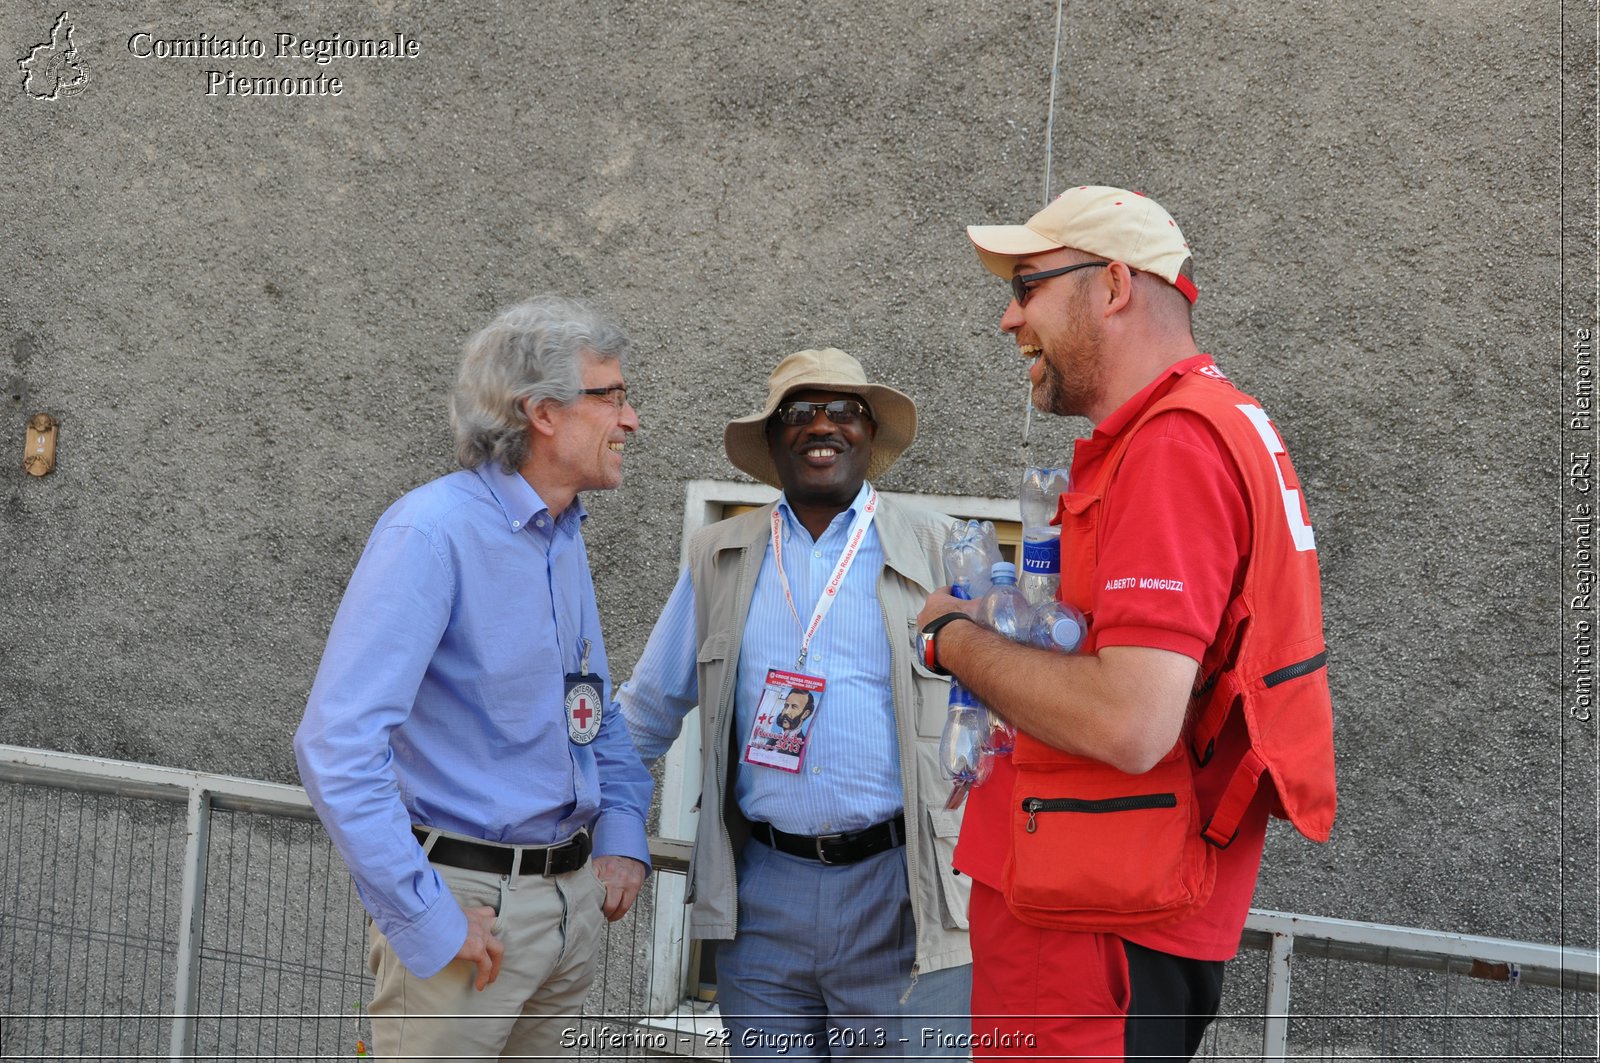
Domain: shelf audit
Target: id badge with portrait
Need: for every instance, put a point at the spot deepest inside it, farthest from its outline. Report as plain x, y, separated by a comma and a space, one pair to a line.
785, 716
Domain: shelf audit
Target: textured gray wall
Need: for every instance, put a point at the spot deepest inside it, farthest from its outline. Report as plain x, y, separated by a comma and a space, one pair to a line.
245, 313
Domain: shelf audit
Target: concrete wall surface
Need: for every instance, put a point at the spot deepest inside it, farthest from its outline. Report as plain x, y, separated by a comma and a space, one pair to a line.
246, 311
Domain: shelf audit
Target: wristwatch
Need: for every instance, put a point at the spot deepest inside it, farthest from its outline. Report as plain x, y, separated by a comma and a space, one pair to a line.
930, 651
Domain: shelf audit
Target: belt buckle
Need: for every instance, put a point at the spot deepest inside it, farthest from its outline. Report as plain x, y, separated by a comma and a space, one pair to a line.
574, 843
819, 839
549, 853
523, 859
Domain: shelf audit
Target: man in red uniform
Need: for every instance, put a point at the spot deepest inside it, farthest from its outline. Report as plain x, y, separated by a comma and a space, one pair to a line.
1115, 852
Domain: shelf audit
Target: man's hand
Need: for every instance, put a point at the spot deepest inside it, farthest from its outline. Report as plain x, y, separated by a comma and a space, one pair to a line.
1121, 705
623, 877
941, 602
481, 946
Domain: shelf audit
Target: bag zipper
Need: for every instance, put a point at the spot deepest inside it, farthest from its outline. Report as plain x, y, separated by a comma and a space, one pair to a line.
1295, 671
1132, 803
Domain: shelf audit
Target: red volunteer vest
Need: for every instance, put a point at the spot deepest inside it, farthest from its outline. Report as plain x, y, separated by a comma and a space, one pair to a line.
1071, 864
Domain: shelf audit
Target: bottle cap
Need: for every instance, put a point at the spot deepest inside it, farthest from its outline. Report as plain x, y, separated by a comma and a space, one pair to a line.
1003, 572
1066, 633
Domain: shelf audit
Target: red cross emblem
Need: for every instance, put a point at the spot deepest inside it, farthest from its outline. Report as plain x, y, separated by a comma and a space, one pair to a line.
583, 713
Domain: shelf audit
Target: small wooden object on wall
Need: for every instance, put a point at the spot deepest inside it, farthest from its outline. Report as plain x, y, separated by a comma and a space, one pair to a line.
39, 456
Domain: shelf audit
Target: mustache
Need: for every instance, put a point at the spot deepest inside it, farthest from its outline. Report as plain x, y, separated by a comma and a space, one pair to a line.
827, 441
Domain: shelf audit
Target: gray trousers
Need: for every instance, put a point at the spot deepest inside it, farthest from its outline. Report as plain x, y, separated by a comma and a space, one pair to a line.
821, 964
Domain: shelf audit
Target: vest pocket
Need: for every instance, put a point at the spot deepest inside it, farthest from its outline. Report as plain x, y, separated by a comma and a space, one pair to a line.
1095, 849
954, 889
1078, 514
714, 648
932, 691
1132, 803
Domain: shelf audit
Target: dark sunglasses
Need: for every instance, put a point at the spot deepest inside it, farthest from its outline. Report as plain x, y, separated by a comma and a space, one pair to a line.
840, 411
1020, 283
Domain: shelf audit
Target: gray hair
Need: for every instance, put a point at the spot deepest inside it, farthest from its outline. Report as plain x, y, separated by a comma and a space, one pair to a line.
529, 353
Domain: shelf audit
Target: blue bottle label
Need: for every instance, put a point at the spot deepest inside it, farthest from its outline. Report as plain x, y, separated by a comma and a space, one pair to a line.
1042, 558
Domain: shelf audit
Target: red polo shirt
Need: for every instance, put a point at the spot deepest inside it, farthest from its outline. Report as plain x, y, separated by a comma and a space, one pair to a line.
1174, 535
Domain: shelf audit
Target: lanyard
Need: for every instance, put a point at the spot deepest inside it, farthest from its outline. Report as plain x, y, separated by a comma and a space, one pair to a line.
584, 645
858, 532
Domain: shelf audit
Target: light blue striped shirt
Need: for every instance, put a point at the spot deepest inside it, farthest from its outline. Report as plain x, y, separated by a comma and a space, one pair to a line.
851, 775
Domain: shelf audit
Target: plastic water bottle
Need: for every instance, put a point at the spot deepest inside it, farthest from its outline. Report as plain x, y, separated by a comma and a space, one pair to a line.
1058, 626
969, 551
1041, 543
999, 737
961, 752
1004, 610
967, 724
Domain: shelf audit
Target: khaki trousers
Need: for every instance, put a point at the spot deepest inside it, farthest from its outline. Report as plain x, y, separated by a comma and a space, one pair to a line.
551, 929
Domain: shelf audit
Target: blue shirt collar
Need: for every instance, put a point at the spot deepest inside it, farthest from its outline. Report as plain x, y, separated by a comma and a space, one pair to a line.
847, 515
520, 502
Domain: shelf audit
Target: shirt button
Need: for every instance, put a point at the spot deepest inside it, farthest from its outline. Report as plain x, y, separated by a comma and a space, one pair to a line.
816, 769
540, 522
516, 524
816, 553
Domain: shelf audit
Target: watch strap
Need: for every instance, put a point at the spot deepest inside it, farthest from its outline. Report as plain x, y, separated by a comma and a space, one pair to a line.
930, 631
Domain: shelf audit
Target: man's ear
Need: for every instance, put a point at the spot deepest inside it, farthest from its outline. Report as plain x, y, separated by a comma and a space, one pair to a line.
1118, 279
539, 415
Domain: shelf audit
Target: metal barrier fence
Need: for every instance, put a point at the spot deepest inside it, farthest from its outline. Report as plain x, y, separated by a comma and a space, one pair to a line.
150, 913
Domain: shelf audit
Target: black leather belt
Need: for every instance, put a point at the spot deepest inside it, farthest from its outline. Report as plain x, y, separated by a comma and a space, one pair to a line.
497, 859
851, 847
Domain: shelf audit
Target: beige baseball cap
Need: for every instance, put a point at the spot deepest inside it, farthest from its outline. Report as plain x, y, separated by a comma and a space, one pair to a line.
1113, 223
825, 369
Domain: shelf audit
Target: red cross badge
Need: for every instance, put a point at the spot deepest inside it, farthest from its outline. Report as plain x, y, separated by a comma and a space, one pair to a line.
583, 711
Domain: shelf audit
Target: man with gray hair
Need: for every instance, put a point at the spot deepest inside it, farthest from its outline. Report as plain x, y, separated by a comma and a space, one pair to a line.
454, 743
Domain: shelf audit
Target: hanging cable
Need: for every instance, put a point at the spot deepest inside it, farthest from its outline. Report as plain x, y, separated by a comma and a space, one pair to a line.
1049, 151
1050, 117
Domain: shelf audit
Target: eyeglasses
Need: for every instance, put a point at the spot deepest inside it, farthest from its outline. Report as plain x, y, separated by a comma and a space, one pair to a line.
1020, 283
839, 411
616, 394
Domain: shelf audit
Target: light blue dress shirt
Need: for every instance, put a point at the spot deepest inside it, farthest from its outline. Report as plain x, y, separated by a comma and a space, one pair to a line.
440, 701
851, 774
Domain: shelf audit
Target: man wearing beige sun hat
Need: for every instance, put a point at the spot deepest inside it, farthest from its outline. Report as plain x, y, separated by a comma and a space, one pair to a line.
848, 928
1115, 852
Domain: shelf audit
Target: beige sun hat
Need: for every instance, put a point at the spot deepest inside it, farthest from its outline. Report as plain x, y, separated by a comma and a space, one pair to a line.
826, 369
1113, 223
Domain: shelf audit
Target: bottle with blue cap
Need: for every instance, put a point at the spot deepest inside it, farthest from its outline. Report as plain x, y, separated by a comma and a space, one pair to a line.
1058, 626
1005, 611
